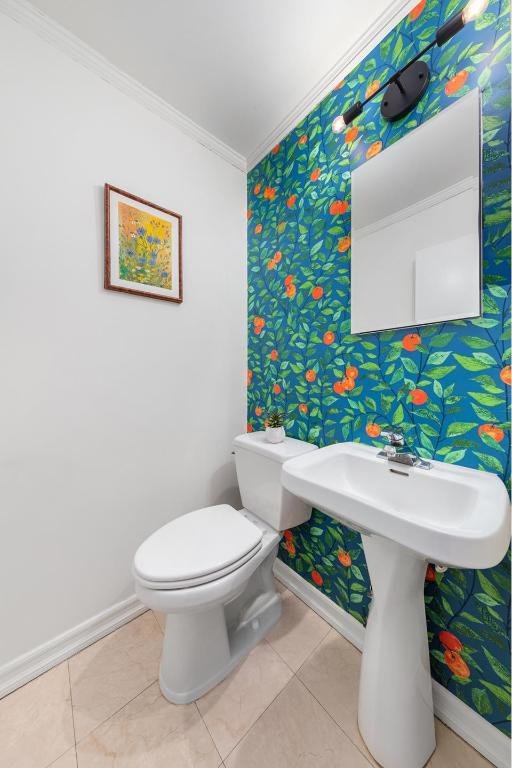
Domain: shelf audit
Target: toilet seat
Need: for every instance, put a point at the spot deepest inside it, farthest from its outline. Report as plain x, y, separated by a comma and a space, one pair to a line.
197, 548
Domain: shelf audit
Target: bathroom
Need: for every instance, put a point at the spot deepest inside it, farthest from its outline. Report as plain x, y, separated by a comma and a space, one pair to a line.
256, 471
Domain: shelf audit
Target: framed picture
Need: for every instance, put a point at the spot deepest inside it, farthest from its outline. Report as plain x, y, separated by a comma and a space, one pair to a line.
142, 247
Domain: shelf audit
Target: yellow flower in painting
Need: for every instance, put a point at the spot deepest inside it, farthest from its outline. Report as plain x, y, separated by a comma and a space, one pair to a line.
145, 251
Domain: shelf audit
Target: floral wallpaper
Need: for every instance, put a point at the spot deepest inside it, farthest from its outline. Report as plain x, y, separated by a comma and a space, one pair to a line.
447, 385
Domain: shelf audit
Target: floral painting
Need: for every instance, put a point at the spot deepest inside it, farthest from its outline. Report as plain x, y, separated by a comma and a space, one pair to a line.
447, 386
142, 247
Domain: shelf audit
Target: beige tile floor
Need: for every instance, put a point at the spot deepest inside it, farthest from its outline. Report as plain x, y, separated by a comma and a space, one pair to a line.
291, 703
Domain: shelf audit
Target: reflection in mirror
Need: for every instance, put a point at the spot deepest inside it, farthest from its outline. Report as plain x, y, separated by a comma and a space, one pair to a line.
416, 225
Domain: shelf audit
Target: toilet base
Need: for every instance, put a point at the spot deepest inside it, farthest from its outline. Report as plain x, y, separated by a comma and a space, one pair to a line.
244, 642
201, 648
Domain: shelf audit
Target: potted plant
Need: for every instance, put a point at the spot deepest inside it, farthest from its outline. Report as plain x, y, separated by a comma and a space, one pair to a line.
274, 427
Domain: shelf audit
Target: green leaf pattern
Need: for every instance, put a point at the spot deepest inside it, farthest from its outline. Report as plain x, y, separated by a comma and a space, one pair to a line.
446, 385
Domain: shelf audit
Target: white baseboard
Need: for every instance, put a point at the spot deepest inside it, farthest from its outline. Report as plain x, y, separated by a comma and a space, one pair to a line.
32, 664
467, 723
342, 621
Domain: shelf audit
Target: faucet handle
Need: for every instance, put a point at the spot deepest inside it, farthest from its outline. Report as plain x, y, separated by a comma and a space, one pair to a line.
394, 437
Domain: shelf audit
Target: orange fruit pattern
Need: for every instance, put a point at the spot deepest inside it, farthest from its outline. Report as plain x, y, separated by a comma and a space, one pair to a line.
447, 386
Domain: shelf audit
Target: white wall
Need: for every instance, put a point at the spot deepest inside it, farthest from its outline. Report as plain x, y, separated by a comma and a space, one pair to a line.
117, 412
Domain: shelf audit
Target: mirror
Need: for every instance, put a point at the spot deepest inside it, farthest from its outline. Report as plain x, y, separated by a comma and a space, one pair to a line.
416, 225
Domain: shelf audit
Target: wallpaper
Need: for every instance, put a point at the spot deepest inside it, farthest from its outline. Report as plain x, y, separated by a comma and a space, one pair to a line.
446, 385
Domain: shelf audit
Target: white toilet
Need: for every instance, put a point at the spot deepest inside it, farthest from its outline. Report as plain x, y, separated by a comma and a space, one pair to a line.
210, 571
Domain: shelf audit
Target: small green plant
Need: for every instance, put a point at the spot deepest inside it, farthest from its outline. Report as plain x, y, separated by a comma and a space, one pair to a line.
275, 418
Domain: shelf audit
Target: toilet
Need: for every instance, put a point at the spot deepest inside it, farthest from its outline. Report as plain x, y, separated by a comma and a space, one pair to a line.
210, 571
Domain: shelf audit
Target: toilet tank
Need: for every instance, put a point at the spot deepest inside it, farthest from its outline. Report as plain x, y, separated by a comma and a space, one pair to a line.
258, 468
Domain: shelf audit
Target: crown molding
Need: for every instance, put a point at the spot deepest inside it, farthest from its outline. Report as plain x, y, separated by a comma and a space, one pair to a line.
363, 45
56, 35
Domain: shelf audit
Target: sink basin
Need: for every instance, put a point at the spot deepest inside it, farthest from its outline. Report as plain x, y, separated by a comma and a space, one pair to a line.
448, 514
407, 516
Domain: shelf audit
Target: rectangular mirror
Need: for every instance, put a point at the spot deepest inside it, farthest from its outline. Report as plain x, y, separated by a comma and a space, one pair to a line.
416, 225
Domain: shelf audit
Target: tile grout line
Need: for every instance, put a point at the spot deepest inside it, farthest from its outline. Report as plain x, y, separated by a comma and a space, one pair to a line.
72, 711
114, 714
313, 649
335, 723
294, 672
294, 675
337, 726
221, 764
72, 656
49, 765
123, 705
99, 639
162, 632
303, 601
72, 720
62, 755
260, 716
264, 639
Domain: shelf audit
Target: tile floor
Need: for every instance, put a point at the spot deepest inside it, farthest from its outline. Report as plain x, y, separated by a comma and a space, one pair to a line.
293, 702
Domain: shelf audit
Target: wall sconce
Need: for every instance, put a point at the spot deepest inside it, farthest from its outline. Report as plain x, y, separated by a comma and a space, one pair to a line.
406, 87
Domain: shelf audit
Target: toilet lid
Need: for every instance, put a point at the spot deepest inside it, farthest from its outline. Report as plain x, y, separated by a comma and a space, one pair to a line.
197, 545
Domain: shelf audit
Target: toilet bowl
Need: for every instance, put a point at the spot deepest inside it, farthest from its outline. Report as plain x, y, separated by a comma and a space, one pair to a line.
210, 572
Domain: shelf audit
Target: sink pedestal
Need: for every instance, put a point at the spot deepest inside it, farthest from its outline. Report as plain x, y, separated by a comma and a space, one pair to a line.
451, 515
396, 717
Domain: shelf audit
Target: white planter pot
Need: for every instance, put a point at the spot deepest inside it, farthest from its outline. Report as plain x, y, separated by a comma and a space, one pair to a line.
274, 434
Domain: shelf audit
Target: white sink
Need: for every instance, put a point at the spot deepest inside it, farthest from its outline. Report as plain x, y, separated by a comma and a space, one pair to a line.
407, 516
448, 514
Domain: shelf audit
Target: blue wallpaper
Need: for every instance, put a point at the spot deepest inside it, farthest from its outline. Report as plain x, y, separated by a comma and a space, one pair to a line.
447, 385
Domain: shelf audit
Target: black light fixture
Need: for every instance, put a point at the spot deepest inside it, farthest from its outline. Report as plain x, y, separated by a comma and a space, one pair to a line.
406, 87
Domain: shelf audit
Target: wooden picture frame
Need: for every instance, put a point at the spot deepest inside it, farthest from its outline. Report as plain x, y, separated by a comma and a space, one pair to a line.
143, 247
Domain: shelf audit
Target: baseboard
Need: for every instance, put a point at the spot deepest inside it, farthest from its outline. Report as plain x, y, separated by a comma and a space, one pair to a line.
32, 664
470, 726
342, 621
467, 723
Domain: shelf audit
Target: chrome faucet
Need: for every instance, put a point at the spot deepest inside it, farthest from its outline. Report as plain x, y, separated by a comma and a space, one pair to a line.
397, 451
395, 440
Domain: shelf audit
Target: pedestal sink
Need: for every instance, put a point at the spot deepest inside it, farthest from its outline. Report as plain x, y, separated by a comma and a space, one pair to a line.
407, 516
